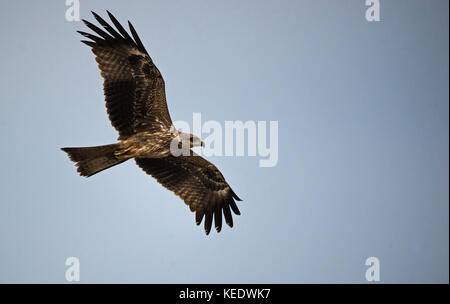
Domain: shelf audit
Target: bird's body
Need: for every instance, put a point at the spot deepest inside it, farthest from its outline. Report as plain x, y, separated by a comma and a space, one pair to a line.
146, 145
136, 104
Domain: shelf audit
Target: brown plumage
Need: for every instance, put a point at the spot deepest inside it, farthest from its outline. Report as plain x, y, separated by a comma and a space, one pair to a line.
136, 104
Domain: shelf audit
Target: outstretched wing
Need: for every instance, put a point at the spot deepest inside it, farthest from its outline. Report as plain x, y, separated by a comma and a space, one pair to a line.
199, 183
133, 86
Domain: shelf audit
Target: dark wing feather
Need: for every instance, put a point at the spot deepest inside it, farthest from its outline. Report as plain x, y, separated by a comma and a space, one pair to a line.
133, 86
199, 183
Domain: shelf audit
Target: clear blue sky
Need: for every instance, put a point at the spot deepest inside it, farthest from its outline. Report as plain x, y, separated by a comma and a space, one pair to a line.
363, 164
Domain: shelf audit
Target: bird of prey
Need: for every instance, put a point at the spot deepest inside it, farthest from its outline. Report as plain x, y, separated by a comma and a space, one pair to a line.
136, 105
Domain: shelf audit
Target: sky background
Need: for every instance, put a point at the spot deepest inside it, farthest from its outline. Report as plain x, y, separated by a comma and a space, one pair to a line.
363, 170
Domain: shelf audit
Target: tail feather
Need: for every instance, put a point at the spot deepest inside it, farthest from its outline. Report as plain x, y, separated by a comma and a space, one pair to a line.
91, 160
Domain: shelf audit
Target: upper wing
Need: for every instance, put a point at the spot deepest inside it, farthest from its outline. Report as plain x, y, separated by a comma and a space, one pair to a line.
133, 86
199, 183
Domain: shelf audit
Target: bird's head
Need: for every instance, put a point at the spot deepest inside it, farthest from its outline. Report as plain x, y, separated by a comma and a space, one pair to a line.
189, 140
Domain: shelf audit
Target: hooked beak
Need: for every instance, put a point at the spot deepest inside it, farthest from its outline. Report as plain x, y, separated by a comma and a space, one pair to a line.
202, 144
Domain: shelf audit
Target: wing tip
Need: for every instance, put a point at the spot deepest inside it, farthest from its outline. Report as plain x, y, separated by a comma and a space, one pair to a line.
89, 43
234, 195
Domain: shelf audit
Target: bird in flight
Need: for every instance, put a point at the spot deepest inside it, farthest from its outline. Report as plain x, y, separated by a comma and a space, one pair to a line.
136, 104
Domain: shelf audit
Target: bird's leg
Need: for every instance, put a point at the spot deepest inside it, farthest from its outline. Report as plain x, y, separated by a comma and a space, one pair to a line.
124, 153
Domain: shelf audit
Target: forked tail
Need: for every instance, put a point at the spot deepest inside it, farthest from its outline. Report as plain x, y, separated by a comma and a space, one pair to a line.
91, 160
